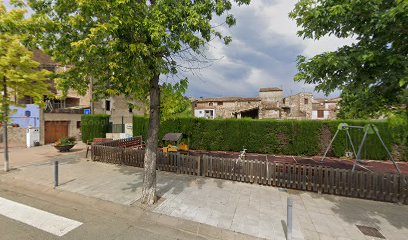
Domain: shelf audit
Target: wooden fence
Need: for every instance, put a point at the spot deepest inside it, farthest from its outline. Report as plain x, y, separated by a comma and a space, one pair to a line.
367, 185
170, 162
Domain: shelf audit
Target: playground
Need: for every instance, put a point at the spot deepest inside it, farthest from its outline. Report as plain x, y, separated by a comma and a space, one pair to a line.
352, 176
332, 162
353, 159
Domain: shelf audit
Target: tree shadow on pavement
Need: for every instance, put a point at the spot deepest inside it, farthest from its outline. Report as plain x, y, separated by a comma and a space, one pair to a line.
368, 212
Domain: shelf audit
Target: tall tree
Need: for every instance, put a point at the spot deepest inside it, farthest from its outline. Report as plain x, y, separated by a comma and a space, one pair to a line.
173, 102
374, 67
126, 45
18, 72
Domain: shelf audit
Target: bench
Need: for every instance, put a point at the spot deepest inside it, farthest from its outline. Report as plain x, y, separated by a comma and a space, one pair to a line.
96, 141
135, 142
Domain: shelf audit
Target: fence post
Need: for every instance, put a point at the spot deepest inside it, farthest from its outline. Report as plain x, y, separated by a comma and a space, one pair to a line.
289, 219
320, 179
402, 189
251, 172
199, 166
205, 166
178, 161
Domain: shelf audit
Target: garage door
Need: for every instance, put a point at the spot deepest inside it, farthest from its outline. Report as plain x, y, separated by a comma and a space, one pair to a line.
55, 130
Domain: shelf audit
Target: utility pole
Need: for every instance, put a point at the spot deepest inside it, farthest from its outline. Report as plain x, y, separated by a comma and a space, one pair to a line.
5, 137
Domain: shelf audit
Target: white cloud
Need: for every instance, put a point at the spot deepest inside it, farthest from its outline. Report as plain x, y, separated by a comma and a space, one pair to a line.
263, 53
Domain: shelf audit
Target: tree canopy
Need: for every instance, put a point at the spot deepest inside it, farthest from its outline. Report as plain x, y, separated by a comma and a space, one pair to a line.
374, 69
18, 71
125, 45
122, 43
19, 75
173, 103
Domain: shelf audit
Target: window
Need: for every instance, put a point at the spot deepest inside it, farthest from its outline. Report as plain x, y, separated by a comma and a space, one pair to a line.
78, 124
286, 110
306, 101
209, 113
201, 112
220, 103
195, 104
27, 113
284, 101
130, 109
210, 104
107, 105
320, 114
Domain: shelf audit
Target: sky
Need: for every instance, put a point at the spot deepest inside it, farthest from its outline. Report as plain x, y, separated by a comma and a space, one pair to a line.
262, 54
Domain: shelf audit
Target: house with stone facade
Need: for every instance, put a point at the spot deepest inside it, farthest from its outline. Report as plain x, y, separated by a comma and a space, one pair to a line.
270, 103
120, 108
325, 108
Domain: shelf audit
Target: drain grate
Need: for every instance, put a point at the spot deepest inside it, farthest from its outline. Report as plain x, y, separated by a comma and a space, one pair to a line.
370, 231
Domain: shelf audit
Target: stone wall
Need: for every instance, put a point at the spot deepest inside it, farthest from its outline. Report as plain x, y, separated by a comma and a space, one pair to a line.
227, 108
16, 136
270, 113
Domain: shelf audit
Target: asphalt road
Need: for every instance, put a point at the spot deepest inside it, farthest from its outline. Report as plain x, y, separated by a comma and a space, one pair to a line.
101, 220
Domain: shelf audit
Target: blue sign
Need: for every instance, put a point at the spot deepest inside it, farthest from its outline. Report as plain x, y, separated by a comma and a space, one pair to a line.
87, 111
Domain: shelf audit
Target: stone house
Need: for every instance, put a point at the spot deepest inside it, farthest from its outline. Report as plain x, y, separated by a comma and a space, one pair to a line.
270, 103
120, 108
325, 108
226, 107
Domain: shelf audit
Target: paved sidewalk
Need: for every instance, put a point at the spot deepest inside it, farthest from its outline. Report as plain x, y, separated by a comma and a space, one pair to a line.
259, 211
22, 156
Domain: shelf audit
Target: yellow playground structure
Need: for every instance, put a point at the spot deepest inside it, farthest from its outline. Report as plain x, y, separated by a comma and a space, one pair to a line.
175, 142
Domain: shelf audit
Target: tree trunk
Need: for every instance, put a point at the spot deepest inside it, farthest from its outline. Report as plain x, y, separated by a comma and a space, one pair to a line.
149, 181
91, 89
5, 137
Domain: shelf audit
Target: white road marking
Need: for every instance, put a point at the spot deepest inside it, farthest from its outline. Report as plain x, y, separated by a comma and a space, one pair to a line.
37, 218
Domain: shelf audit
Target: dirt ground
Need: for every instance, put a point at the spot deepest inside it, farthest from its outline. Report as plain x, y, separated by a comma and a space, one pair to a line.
372, 165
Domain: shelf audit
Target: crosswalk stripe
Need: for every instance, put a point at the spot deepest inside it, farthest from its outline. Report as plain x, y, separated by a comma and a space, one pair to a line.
37, 218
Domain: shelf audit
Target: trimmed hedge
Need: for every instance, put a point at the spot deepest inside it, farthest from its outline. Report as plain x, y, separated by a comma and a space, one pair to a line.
94, 126
285, 137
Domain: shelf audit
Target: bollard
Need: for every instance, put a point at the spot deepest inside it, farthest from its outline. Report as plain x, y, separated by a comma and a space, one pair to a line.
55, 174
289, 220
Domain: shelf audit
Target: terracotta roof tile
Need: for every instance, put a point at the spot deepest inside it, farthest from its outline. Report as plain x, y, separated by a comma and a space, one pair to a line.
227, 99
272, 89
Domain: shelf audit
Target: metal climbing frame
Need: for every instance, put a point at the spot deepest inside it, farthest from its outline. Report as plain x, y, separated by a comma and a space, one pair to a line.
368, 129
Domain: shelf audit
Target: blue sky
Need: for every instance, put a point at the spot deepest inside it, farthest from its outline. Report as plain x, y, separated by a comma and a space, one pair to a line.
262, 54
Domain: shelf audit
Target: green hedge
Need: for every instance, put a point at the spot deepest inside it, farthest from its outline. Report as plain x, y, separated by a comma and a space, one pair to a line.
94, 126
286, 137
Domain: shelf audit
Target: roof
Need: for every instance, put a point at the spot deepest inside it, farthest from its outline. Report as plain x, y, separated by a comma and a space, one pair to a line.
228, 99
42, 58
326, 100
172, 137
204, 107
272, 89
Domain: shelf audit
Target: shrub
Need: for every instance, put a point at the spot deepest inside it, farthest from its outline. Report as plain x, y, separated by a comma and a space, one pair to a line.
65, 141
286, 137
94, 126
